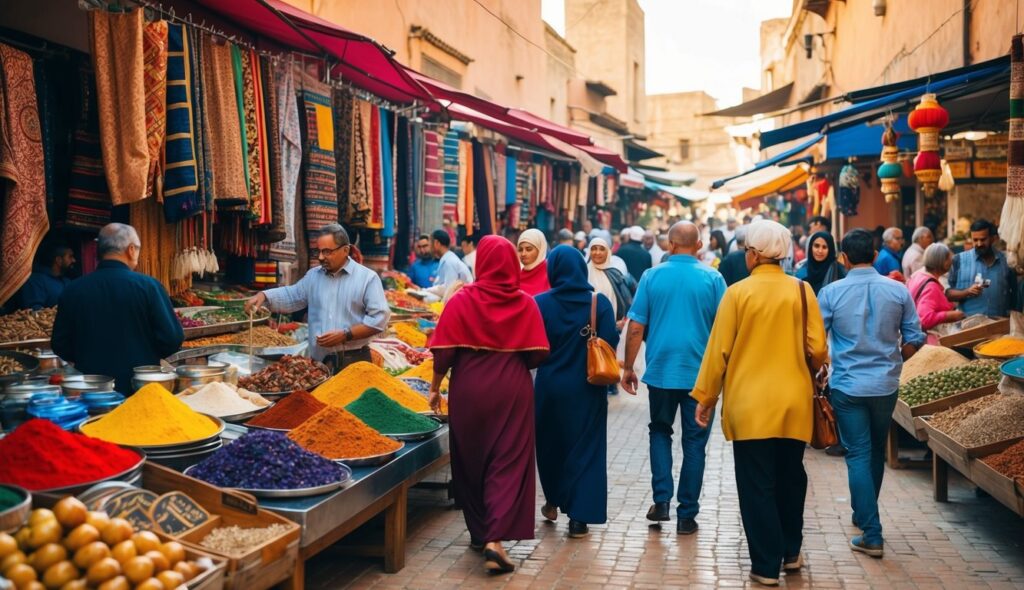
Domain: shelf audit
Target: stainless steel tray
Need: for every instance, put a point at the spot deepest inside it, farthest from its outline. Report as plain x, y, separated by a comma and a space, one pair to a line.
253, 426
168, 447
346, 476
34, 343
238, 418
279, 394
372, 460
411, 436
217, 329
27, 361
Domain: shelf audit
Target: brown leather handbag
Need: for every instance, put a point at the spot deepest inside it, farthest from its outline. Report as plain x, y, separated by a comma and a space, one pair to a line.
825, 433
602, 366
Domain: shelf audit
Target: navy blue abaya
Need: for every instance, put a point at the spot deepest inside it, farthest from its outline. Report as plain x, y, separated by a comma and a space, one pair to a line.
572, 415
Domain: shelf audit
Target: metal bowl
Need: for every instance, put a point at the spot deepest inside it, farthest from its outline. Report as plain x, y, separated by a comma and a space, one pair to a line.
79, 384
346, 476
239, 418
15, 516
146, 374
372, 460
28, 362
192, 375
411, 436
989, 357
276, 395
26, 390
167, 447
184, 460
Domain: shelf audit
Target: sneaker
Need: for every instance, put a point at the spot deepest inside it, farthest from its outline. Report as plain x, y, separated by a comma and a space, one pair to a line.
862, 546
577, 529
658, 512
763, 580
686, 526
793, 564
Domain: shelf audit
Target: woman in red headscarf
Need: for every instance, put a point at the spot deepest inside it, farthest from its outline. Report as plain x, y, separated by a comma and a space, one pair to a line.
490, 335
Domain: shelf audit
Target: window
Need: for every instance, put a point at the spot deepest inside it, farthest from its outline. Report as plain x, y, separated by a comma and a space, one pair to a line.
436, 70
637, 92
684, 150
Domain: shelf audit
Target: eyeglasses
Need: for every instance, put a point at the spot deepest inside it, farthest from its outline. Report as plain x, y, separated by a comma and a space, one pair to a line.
325, 252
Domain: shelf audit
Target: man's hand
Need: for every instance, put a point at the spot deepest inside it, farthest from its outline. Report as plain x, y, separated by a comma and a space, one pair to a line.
331, 339
974, 291
702, 416
629, 381
435, 401
255, 302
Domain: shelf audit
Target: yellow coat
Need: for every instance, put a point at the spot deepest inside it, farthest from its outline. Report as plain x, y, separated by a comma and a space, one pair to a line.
756, 350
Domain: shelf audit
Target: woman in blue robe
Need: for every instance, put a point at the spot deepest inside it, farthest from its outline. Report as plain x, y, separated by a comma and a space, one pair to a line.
572, 415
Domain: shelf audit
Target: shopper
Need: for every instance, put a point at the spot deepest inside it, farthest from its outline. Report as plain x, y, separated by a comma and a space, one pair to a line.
115, 319
734, 266
449, 269
675, 305
873, 327
609, 281
913, 258
926, 290
632, 252
819, 223
469, 253
716, 249
572, 415
980, 279
423, 270
755, 357
345, 299
490, 336
565, 237
650, 244
48, 279
822, 266
533, 253
889, 256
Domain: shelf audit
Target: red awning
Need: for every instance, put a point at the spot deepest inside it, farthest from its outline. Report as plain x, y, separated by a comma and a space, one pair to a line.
464, 113
531, 121
361, 60
606, 156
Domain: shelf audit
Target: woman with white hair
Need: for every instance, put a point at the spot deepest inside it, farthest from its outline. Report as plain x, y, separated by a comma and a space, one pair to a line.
929, 295
755, 357
533, 253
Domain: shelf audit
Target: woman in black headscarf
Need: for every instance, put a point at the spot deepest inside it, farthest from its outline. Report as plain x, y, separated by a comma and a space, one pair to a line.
822, 267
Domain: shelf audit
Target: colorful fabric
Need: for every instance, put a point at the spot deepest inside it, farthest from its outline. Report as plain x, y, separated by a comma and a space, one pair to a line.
117, 52
320, 199
201, 141
344, 103
22, 172
432, 212
238, 78
275, 232
181, 177
451, 175
1015, 155
222, 124
376, 220
387, 176
290, 142
254, 135
360, 187
261, 130
88, 197
154, 59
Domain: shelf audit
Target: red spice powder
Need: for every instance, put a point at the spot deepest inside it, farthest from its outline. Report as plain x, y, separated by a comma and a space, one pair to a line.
292, 410
39, 455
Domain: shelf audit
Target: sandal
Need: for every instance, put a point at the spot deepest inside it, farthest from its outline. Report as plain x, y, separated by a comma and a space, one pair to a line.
496, 564
549, 512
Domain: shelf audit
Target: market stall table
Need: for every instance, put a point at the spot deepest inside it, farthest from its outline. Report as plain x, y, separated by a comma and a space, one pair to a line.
328, 518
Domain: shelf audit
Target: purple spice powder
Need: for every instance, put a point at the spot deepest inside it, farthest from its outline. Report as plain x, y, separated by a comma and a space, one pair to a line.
266, 460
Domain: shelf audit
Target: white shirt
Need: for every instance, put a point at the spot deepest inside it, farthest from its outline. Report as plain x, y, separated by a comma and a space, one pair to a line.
470, 261
451, 269
913, 260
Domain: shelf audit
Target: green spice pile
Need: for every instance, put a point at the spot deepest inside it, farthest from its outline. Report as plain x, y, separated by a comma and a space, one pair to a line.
1001, 420
934, 386
236, 540
387, 416
9, 498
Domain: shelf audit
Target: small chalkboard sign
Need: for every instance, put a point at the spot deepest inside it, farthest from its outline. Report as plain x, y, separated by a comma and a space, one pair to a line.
175, 513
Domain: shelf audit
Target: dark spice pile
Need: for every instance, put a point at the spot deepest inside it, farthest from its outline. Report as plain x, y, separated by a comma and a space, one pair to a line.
387, 416
1010, 462
292, 410
265, 460
291, 373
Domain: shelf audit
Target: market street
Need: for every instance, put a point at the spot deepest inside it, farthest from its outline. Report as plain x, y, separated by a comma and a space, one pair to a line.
968, 543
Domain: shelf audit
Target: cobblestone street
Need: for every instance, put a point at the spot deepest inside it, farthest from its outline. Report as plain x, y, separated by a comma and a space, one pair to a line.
970, 542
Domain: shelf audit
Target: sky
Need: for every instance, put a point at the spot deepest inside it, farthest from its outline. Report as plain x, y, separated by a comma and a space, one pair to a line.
710, 45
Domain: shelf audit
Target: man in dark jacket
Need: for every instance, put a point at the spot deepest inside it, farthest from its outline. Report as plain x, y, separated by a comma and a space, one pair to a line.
734, 266
116, 319
632, 252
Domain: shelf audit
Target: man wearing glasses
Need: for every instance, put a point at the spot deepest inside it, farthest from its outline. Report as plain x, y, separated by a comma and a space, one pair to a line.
345, 299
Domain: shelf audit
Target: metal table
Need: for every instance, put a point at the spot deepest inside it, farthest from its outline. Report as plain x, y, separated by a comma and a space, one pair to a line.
328, 518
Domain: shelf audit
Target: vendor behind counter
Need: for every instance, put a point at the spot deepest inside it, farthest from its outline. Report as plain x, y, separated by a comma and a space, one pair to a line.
116, 319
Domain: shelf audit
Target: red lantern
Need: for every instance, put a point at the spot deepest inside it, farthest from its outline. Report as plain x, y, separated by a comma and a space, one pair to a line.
928, 120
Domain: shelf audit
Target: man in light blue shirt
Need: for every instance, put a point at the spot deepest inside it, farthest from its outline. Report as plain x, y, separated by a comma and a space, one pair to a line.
889, 258
345, 299
449, 268
994, 295
873, 327
676, 305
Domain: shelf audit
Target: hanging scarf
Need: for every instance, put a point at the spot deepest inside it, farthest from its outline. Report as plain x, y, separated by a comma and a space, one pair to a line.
816, 271
343, 106
376, 180
451, 175
180, 182
320, 190
275, 232
222, 124
290, 142
360, 187
22, 172
387, 177
154, 58
204, 158
492, 313
88, 197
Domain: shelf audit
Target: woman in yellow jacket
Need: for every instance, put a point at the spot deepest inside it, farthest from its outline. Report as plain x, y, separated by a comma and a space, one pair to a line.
755, 357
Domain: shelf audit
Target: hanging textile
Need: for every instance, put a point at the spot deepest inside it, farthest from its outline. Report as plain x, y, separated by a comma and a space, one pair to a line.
375, 162
275, 231
158, 244
254, 133
154, 67
1012, 218
432, 212
500, 169
88, 196
117, 52
451, 175
480, 194
466, 210
407, 166
360, 184
238, 79
320, 197
180, 182
290, 141
511, 173
343, 106
222, 124
375, 250
22, 172
200, 137
387, 177
56, 78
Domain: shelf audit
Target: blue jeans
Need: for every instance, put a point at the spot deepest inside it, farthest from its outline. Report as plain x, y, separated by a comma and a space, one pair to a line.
664, 403
863, 428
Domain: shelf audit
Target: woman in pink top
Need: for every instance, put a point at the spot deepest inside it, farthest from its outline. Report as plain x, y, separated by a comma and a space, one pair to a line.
929, 296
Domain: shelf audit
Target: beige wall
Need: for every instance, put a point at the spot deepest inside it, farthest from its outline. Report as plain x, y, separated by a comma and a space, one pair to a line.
499, 55
560, 64
677, 116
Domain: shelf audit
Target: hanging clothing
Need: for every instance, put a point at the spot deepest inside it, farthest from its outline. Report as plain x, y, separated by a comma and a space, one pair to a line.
572, 415
88, 197
22, 172
255, 137
275, 232
222, 124
320, 195
290, 142
118, 60
432, 213
201, 139
452, 175
387, 178
343, 106
376, 220
154, 60
181, 178
360, 185
482, 191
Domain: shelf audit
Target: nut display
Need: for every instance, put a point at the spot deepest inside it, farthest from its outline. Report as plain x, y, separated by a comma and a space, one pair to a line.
26, 324
935, 386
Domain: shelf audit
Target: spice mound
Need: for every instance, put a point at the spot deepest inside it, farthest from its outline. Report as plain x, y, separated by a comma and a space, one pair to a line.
930, 359
9, 366
220, 399
262, 337
39, 455
293, 409
933, 386
410, 334
337, 434
1003, 419
1010, 462
26, 324
346, 386
265, 460
386, 416
1005, 347
289, 374
235, 540
151, 417
947, 420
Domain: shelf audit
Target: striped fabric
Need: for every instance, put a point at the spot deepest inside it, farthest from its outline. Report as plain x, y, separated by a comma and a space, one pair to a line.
451, 175
320, 198
88, 197
200, 140
180, 183
432, 211
1015, 157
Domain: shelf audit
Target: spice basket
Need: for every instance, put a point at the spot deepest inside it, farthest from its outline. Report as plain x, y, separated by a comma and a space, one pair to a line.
904, 414
999, 486
976, 349
968, 338
958, 455
261, 567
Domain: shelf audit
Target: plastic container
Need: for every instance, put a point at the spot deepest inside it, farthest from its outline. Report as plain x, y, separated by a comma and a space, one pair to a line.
13, 412
101, 402
67, 414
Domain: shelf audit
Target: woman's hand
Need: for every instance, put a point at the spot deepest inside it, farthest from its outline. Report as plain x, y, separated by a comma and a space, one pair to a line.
955, 315
702, 416
435, 401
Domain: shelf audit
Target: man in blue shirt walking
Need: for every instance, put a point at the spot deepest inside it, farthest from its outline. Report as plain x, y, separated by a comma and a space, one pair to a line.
676, 305
889, 258
873, 327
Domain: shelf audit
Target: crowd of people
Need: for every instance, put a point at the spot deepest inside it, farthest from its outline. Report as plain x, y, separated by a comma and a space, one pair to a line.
712, 313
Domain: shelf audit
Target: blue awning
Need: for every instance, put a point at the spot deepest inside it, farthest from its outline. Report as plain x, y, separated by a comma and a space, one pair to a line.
980, 77
683, 193
866, 140
776, 159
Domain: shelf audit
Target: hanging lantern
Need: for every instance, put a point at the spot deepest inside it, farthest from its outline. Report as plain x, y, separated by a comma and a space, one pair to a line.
927, 120
890, 171
849, 190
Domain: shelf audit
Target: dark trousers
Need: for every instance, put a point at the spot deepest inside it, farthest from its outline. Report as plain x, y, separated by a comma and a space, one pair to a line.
772, 486
338, 361
664, 405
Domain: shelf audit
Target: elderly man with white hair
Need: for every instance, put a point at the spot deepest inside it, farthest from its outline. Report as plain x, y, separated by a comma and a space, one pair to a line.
115, 319
889, 258
913, 258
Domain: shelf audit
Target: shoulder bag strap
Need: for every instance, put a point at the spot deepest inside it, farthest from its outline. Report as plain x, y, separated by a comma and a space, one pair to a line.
803, 315
593, 315
922, 287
